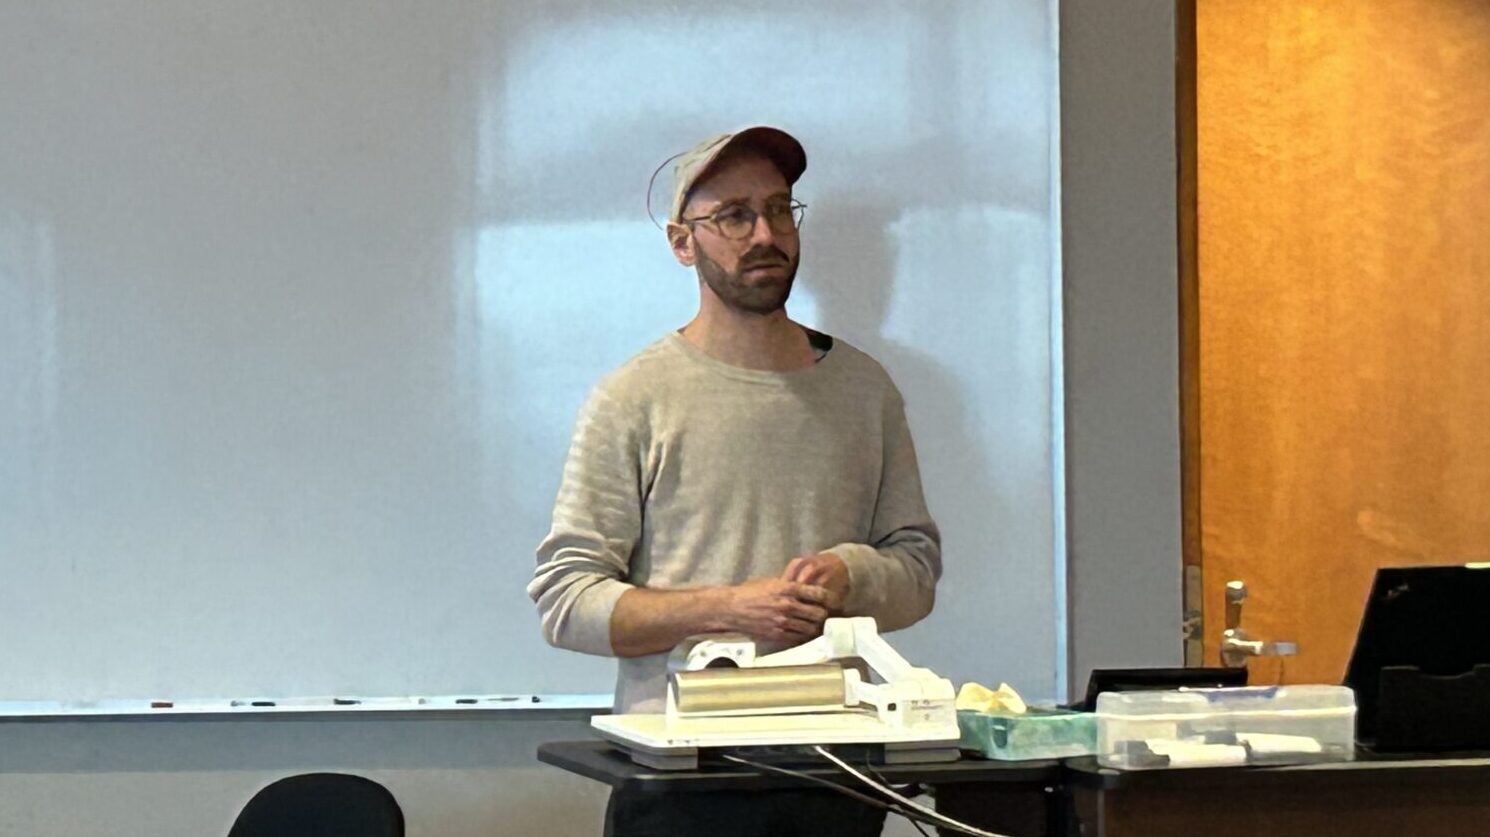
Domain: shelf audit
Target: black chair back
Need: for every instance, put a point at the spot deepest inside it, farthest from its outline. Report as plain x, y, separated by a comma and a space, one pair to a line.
321, 805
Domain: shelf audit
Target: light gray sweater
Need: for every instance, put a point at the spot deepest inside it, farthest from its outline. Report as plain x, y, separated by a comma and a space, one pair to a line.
685, 471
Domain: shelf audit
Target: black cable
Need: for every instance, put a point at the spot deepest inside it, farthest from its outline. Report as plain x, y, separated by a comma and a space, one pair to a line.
916, 818
903, 789
906, 789
796, 774
941, 821
652, 180
847, 791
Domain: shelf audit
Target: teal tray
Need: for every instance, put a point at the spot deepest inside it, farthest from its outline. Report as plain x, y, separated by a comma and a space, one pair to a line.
1042, 733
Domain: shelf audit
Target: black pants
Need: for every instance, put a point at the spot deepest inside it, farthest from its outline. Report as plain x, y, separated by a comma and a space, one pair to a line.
777, 813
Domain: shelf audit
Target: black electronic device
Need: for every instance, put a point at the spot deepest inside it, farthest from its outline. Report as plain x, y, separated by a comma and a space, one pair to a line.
1421, 664
1155, 679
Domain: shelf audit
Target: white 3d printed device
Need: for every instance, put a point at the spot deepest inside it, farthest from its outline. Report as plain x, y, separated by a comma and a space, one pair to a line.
721, 695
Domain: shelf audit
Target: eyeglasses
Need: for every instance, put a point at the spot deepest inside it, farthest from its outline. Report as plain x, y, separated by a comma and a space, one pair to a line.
737, 221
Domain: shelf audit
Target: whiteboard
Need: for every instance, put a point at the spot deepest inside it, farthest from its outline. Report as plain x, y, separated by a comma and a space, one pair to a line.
298, 302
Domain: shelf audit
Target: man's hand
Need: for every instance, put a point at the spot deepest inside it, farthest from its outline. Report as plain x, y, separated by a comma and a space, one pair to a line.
825, 570
779, 610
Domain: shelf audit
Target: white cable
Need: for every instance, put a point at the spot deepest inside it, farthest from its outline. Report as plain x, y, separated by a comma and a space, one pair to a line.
948, 821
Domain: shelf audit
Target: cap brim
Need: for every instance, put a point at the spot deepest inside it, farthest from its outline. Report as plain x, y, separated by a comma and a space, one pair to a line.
782, 148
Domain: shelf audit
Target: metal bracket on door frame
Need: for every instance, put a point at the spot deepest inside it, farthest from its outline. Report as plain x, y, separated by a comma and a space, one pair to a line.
1192, 627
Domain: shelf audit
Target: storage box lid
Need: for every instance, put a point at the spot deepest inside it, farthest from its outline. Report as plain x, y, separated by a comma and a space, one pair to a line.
1224, 701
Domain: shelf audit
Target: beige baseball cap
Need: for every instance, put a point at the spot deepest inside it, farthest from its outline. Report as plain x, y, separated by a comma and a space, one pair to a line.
777, 145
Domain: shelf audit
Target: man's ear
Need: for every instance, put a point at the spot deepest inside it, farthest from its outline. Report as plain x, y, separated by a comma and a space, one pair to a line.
680, 239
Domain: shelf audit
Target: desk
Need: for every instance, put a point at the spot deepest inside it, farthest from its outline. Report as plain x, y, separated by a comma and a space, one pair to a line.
1366, 798
1014, 798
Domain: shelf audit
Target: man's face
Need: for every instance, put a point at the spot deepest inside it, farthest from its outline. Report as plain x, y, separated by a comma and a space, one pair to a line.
753, 274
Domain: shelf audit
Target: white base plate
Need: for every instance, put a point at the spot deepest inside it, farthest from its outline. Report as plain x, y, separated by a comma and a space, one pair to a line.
654, 733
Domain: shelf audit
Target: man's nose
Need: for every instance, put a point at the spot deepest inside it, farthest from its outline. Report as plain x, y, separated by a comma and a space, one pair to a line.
761, 233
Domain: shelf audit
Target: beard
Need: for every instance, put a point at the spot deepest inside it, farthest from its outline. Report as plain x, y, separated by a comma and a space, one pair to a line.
766, 295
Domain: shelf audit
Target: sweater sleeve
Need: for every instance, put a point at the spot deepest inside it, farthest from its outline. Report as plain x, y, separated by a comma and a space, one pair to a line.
584, 561
893, 576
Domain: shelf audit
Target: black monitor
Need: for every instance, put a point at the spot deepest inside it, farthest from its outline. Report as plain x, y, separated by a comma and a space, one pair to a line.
1414, 668
1152, 679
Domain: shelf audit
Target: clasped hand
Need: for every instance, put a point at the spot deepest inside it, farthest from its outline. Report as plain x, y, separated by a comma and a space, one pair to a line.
791, 609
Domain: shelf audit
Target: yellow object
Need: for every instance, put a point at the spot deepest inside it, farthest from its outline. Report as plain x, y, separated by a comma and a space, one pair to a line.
980, 698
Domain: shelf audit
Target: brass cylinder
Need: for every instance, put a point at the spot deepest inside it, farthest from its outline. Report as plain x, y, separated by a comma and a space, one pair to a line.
730, 689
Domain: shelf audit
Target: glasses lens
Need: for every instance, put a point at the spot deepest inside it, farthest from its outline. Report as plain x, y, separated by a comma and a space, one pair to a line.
782, 218
736, 223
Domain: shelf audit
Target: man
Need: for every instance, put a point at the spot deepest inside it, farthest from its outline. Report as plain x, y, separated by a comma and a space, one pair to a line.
742, 474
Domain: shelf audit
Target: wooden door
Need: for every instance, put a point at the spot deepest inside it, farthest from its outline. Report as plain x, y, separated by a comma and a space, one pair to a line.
1337, 305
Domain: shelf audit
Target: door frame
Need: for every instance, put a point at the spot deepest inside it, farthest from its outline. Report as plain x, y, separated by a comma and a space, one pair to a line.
1187, 205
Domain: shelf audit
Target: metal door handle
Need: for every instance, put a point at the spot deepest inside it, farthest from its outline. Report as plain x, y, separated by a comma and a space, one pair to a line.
1236, 645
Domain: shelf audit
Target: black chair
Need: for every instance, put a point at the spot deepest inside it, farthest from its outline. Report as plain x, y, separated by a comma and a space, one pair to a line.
321, 805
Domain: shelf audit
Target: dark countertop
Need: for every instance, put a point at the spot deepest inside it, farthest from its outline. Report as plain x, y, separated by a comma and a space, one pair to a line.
600, 761
1086, 773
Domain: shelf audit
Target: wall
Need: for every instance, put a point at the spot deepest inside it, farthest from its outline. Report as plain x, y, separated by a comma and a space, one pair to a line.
1121, 326
453, 778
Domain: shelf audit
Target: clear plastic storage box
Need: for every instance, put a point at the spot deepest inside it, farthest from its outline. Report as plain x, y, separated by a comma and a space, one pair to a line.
1223, 727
